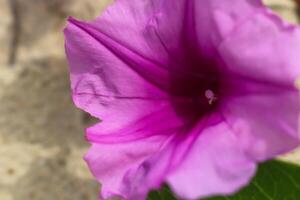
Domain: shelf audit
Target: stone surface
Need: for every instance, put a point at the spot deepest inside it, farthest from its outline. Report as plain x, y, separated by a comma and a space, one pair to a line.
286, 8
41, 132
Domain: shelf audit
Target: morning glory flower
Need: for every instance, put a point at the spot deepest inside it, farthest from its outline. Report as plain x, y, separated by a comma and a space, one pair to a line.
192, 93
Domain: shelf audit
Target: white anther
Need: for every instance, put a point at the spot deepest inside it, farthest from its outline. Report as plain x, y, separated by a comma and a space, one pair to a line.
210, 95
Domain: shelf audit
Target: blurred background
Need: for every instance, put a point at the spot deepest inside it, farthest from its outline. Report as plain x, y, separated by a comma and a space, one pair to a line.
41, 132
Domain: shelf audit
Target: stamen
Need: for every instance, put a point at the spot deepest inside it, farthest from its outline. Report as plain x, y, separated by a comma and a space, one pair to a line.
210, 95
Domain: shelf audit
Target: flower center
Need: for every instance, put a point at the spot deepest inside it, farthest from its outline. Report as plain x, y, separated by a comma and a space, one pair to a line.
194, 107
197, 85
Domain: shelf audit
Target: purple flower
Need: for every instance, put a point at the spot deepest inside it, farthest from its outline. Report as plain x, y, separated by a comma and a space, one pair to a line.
193, 93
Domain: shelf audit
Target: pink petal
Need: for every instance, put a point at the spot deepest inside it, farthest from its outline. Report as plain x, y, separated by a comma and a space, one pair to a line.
261, 102
155, 170
126, 150
215, 164
141, 128
182, 25
103, 84
203, 161
110, 163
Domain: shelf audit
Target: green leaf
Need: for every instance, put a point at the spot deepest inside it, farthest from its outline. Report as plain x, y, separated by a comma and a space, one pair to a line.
275, 180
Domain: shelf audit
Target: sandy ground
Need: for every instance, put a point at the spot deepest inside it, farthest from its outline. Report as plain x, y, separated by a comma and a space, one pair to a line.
41, 132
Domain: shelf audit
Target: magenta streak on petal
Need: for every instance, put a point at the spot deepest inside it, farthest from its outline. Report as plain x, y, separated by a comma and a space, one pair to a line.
136, 61
146, 126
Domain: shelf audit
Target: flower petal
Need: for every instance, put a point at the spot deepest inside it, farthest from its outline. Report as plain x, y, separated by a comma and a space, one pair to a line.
156, 168
261, 66
109, 163
125, 150
215, 164
143, 127
103, 84
184, 26
198, 162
